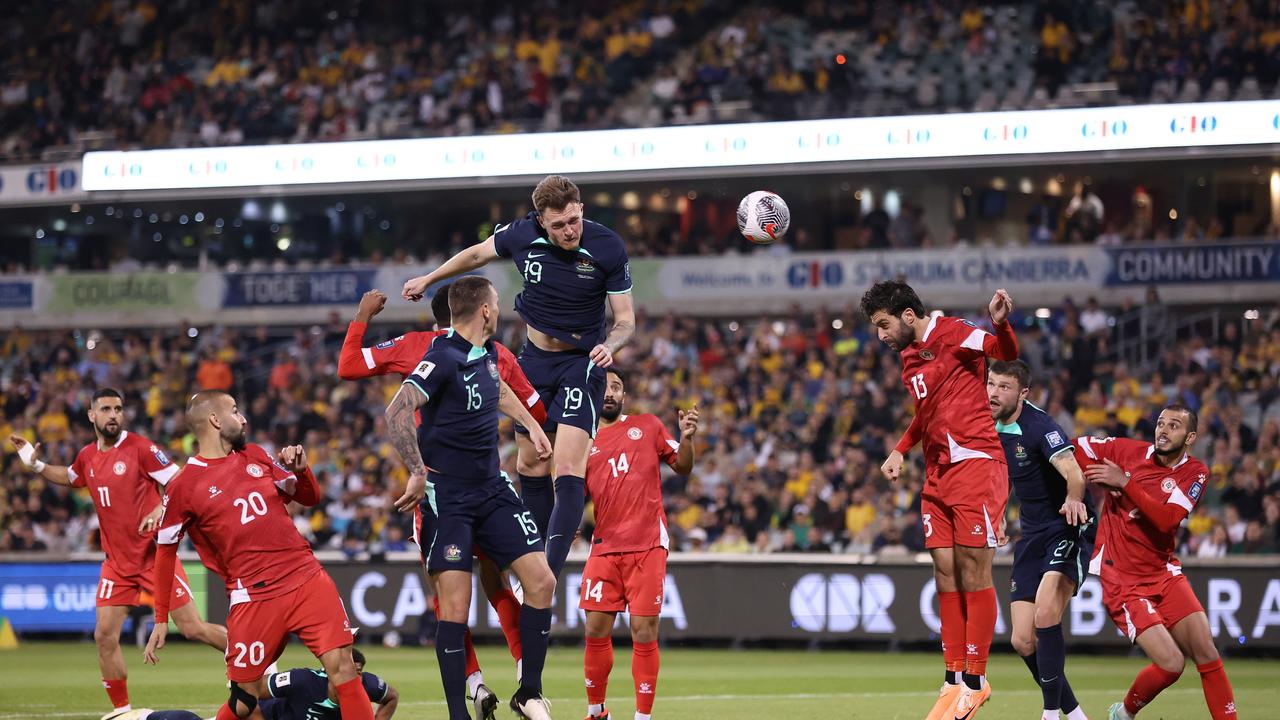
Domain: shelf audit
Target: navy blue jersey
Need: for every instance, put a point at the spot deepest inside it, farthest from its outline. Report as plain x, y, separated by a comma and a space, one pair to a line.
1029, 446
458, 435
304, 695
564, 291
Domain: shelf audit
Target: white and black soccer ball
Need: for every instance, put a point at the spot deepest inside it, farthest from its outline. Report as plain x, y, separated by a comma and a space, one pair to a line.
763, 217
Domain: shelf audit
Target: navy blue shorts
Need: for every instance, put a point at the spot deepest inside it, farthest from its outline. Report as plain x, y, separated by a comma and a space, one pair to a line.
569, 382
1058, 548
470, 515
274, 709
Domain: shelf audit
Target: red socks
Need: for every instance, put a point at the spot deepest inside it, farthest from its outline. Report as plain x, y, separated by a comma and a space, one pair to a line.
980, 625
504, 603
353, 701
644, 670
597, 663
1148, 685
117, 691
1217, 691
226, 713
953, 629
473, 662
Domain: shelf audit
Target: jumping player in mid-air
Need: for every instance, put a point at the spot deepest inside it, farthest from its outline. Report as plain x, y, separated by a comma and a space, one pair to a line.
1057, 531
627, 569
1154, 487
944, 366
399, 356
572, 268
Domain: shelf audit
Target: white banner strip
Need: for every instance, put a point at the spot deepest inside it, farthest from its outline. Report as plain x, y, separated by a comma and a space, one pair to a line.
704, 146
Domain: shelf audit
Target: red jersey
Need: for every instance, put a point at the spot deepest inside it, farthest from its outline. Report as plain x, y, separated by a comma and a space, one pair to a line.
402, 354
236, 511
1137, 531
946, 372
122, 484
625, 485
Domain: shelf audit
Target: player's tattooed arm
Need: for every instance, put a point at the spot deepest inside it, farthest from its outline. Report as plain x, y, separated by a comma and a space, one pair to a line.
404, 438
624, 326
1073, 509
400, 425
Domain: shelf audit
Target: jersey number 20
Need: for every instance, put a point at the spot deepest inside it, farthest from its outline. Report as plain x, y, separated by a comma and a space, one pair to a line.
255, 503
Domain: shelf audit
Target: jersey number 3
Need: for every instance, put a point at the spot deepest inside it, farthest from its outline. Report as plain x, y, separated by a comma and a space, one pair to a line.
918, 386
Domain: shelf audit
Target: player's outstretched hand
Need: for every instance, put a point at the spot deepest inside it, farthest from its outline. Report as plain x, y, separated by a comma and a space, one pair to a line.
892, 467
688, 421
541, 443
293, 458
1074, 511
151, 522
371, 303
414, 490
1001, 306
154, 643
1107, 474
1002, 538
27, 452
601, 356
415, 288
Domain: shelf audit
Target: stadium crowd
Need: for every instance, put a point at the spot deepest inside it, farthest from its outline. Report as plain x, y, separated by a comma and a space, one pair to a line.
797, 414
140, 73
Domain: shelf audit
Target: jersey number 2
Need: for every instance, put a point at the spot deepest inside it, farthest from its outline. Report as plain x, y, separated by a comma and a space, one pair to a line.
918, 386
254, 502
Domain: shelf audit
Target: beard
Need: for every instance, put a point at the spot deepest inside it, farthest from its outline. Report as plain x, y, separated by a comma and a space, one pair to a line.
902, 338
236, 439
1003, 413
1173, 451
611, 410
109, 432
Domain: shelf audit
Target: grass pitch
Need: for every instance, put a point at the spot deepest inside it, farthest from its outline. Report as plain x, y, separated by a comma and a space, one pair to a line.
60, 680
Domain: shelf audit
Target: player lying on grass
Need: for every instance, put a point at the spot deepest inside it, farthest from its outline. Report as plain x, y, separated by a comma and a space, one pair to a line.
124, 473
627, 569
299, 694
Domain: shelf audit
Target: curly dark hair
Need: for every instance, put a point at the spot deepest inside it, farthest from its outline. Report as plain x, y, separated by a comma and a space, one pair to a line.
892, 296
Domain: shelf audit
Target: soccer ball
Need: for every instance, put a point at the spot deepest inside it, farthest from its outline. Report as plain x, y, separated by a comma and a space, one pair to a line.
763, 217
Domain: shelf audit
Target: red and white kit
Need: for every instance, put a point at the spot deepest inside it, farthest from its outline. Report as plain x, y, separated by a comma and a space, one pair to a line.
966, 481
628, 562
236, 510
122, 485
1142, 580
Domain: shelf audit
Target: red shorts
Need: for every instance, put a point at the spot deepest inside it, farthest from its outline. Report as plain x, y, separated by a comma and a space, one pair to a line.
631, 581
1137, 608
115, 588
964, 503
257, 629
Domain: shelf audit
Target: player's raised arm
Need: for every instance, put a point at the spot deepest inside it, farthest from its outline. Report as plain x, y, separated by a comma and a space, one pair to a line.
509, 404
685, 456
297, 481
469, 259
354, 360
404, 438
30, 456
1004, 344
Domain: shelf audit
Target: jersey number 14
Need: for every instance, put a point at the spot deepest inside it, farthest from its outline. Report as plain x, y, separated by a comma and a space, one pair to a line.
619, 465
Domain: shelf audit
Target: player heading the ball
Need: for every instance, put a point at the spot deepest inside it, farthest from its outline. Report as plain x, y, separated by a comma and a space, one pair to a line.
572, 268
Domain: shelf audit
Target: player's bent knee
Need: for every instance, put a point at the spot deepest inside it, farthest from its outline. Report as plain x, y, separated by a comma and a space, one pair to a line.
1173, 662
105, 639
241, 702
644, 632
1047, 616
1022, 645
539, 587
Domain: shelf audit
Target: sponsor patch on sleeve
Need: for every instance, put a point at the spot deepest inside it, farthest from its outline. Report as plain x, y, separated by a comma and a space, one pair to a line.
159, 456
1196, 488
384, 344
1054, 438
